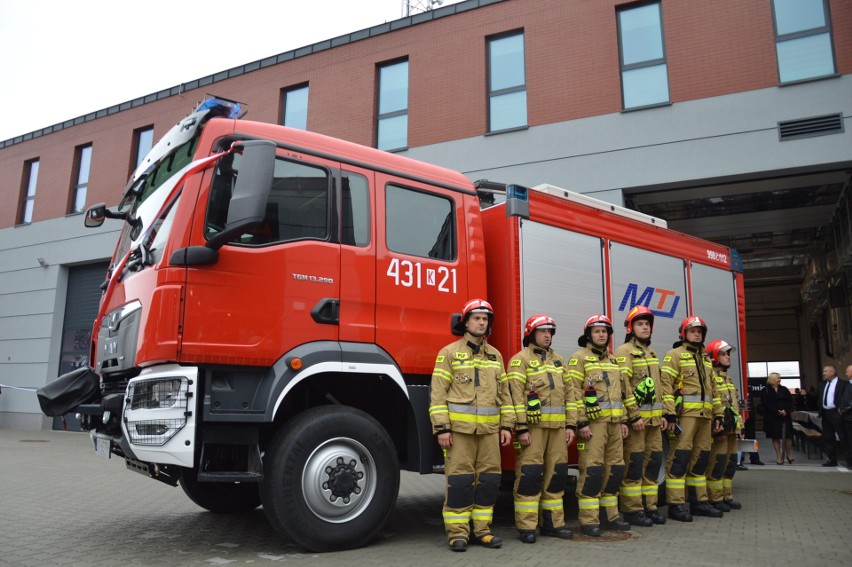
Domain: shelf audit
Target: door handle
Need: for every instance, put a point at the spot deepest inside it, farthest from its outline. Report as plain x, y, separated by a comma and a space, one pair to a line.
327, 311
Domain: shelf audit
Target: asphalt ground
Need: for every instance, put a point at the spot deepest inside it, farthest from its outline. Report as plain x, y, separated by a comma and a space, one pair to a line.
62, 505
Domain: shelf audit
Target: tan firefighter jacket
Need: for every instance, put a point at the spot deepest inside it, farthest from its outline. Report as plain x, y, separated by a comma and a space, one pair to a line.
687, 368
639, 361
728, 395
470, 392
543, 371
598, 369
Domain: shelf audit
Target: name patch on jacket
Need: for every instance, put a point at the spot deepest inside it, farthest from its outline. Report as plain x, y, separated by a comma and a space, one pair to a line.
492, 357
515, 362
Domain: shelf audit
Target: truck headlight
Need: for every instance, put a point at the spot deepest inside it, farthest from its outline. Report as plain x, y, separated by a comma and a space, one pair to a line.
156, 408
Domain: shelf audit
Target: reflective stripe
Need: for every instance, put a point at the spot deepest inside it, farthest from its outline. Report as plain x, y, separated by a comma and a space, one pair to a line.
649, 489
555, 504
588, 503
438, 409
630, 490
466, 418
553, 409
675, 482
517, 376
607, 501
696, 481
441, 373
727, 482
482, 514
715, 484
644, 361
670, 371
474, 410
526, 506
456, 517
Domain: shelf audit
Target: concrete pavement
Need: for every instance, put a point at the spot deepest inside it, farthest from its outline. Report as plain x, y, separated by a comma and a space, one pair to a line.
61, 505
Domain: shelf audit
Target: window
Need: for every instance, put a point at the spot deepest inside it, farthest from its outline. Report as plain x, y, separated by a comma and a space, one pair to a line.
144, 142
82, 166
803, 40
420, 224
297, 207
644, 73
356, 210
392, 126
295, 107
28, 201
787, 369
507, 90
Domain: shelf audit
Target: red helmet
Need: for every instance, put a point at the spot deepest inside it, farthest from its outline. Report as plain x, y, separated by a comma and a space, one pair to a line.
638, 312
596, 320
539, 321
691, 322
474, 306
477, 306
717, 347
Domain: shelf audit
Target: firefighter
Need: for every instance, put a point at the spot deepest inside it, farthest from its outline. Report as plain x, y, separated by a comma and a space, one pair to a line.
544, 408
723, 453
601, 428
643, 448
472, 416
691, 404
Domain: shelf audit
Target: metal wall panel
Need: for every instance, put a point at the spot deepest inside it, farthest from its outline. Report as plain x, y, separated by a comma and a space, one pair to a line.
641, 277
562, 275
715, 297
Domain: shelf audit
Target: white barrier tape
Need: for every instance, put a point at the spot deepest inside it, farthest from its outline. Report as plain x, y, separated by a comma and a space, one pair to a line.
2, 386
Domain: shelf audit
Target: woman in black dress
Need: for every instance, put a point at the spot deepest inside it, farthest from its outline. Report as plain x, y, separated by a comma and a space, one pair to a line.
777, 407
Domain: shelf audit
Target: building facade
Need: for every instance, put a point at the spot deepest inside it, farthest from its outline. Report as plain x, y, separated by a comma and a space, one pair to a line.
730, 119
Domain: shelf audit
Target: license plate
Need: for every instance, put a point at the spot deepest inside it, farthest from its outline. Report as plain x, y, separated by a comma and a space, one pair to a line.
102, 447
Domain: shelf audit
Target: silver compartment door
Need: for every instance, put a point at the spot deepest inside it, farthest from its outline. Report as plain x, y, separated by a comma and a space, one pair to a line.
562, 276
714, 294
657, 281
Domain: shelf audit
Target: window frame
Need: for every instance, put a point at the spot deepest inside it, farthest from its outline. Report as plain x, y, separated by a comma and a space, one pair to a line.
493, 94
791, 36
285, 93
397, 184
646, 64
79, 187
395, 113
28, 182
137, 146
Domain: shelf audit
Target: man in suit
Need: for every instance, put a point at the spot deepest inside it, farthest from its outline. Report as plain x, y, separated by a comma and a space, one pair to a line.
829, 395
846, 414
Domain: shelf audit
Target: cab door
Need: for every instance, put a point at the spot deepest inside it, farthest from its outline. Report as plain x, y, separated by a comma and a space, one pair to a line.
275, 287
421, 269
357, 255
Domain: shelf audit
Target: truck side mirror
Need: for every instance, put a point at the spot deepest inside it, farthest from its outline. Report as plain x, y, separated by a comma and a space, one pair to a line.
251, 190
95, 215
456, 326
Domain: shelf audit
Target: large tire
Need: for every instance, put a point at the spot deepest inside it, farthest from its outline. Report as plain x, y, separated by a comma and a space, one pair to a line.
220, 497
331, 478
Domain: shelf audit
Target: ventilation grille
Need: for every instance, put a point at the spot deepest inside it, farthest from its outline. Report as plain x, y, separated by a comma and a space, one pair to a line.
808, 127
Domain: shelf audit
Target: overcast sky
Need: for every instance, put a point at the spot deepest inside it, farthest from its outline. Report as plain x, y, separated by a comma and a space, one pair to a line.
66, 58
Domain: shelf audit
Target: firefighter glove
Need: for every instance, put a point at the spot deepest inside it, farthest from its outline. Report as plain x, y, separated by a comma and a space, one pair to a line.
644, 392
730, 420
533, 407
593, 409
718, 421
678, 401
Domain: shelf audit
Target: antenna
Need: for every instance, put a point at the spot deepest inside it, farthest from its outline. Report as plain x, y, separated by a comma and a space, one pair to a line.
411, 7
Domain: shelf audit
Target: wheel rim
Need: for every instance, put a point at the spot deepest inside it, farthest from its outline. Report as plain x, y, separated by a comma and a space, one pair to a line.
339, 480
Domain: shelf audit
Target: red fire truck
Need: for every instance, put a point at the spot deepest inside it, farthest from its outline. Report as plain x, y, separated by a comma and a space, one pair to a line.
276, 299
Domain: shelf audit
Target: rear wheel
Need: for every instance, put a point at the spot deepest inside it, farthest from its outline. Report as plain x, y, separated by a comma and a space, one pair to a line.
331, 478
220, 497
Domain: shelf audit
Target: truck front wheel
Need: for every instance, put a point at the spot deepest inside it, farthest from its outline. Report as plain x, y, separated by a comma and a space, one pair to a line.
331, 478
220, 497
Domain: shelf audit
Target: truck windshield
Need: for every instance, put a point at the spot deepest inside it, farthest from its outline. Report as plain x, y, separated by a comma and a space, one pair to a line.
144, 198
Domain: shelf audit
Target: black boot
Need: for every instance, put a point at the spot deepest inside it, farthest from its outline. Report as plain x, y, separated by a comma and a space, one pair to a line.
721, 505
617, 525
591, 530
561, 533
655, 516
638, 518
733, 504
528, 537
704, 509
678, 512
